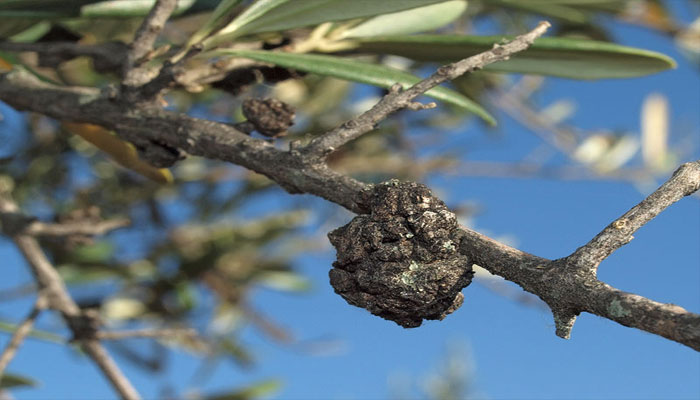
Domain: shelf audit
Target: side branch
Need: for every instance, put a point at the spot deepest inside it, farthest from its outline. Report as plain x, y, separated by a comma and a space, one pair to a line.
22, 331
58, 298
685, 181
144, 39
668, 320
107, 56
397, 99
80, 228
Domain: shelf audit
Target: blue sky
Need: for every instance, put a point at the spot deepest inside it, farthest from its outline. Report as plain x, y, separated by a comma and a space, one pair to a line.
512, 348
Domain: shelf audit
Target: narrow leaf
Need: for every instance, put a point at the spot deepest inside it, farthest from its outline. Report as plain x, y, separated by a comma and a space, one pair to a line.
255, 11
253, 391
122, 152
654, 122
131, 8
83, 8
297, 14
551, 9
217, 18
34, 333
8, 381
284, 280
238, 353
357, 71
42, 8
562, 57
419, 19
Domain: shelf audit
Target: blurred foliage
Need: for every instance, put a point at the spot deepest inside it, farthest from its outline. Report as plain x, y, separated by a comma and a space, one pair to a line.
452, 377
199, 245
10, 381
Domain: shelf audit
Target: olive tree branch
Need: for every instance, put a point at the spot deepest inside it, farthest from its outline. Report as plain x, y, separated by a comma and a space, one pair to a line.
108, 56
160, 135
58, 298
569, 289
569, 286
21, 333
397, 99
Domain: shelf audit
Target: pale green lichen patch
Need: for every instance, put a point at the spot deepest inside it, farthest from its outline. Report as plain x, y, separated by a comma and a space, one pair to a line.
448, 245
616, 309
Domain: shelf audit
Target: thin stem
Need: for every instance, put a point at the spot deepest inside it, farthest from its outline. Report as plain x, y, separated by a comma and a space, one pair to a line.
144, 39
145, 333
21, 333
684, 182
84, 228
397, 99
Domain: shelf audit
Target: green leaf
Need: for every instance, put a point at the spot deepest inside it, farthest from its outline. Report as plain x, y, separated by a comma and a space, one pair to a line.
218, 16
34, 333
419, 19
15, 27
97, 252
12, 381
90, 271
127, 8
562, 57
83, 8
297, 14
552, 9
41, 8
357, 71
252, 13
253, 391
284, 280
238, 353
186, 296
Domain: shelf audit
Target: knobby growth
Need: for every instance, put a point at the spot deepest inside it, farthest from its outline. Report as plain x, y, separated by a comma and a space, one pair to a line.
401, 262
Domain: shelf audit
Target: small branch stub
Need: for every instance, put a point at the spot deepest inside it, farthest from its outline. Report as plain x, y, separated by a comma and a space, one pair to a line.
401, 261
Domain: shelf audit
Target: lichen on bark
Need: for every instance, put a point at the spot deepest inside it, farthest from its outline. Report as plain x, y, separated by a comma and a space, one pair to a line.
401, 261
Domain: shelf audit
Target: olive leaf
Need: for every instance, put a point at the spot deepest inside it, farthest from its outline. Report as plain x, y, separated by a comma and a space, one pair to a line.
357, 71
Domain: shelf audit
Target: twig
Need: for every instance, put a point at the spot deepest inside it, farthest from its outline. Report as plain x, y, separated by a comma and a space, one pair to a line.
530, 170
684, 182
83, 228
21, 333
17, 292
107, 56
20, 223
265, 324
397, 99
58, 298
146, 333
144, 39
559, 137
